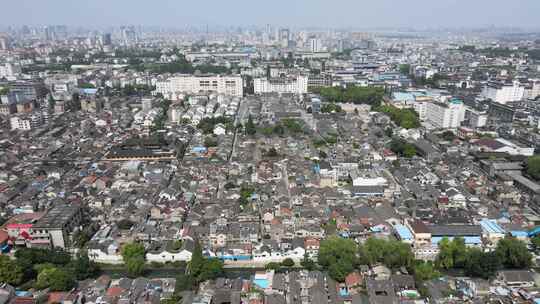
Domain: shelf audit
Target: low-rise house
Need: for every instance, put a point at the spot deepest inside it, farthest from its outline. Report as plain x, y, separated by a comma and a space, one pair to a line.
516, 278
168, 252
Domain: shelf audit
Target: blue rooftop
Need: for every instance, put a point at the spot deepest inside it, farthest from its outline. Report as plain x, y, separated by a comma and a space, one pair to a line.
262, 283
490, 226
403, 232
519, 234
469, 240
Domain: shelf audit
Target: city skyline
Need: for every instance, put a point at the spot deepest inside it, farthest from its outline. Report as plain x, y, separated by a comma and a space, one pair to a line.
419, 14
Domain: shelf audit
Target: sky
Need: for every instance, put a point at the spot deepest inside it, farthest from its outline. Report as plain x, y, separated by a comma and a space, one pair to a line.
293, 13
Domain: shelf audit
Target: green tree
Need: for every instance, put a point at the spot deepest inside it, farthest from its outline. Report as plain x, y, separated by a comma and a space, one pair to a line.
272, 266
481, 264
452, 254
10, 271
82, 267
340, 269
212, 268
201, 268
308, 263
514, 253
425, 271
459, 252
404, 69
174, 299
133, 255
134, 266
210, 141
393, 254
184, 282
536, 242
197, 260
398, 254
338, 256
133, 250
533, 166
409, 151
288, 262
56, 279
250, 126
405, 118
402, 148
448, 135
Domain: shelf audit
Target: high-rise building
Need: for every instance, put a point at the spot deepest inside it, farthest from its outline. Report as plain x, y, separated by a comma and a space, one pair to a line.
229, 85
284, 37
106, 39
445, 115
47, 33
503, 92
295, 85
315, 44
129, 35
146, 104
5, 43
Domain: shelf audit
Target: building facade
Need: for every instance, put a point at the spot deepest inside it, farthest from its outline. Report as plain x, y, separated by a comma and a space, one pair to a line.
445, 115
228, 85
297, 85
503, 92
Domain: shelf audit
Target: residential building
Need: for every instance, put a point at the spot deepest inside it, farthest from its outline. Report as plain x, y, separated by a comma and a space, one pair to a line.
229, 85
503, 92
53, 229
295, 85
445, 115
475, 118
21, 122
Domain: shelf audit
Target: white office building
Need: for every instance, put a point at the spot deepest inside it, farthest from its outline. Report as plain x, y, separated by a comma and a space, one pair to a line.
503, 92
9, 70
227, 85
146, 104
315, 45
476, 119
20, 123
445, 115
534, 90
295, 85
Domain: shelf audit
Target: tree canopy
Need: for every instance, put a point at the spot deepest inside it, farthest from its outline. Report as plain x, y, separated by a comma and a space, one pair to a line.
509, 253
338, 256
514, 253
133, 255
533, 166
405, 118
357, 95
402, 148
56, 279
202, 268
10, 271
392, 253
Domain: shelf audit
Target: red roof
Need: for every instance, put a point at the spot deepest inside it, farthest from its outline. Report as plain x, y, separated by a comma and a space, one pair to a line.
23, 300
3, 236
352, 279
57, 297
311, 242
489, 143
115, 291
419, 227
18, 226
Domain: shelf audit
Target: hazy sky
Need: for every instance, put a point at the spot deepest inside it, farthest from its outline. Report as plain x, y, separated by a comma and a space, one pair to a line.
323, 13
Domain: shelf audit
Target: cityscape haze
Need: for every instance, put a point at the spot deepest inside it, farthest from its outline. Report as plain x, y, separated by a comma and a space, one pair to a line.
296, 13
279, 152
